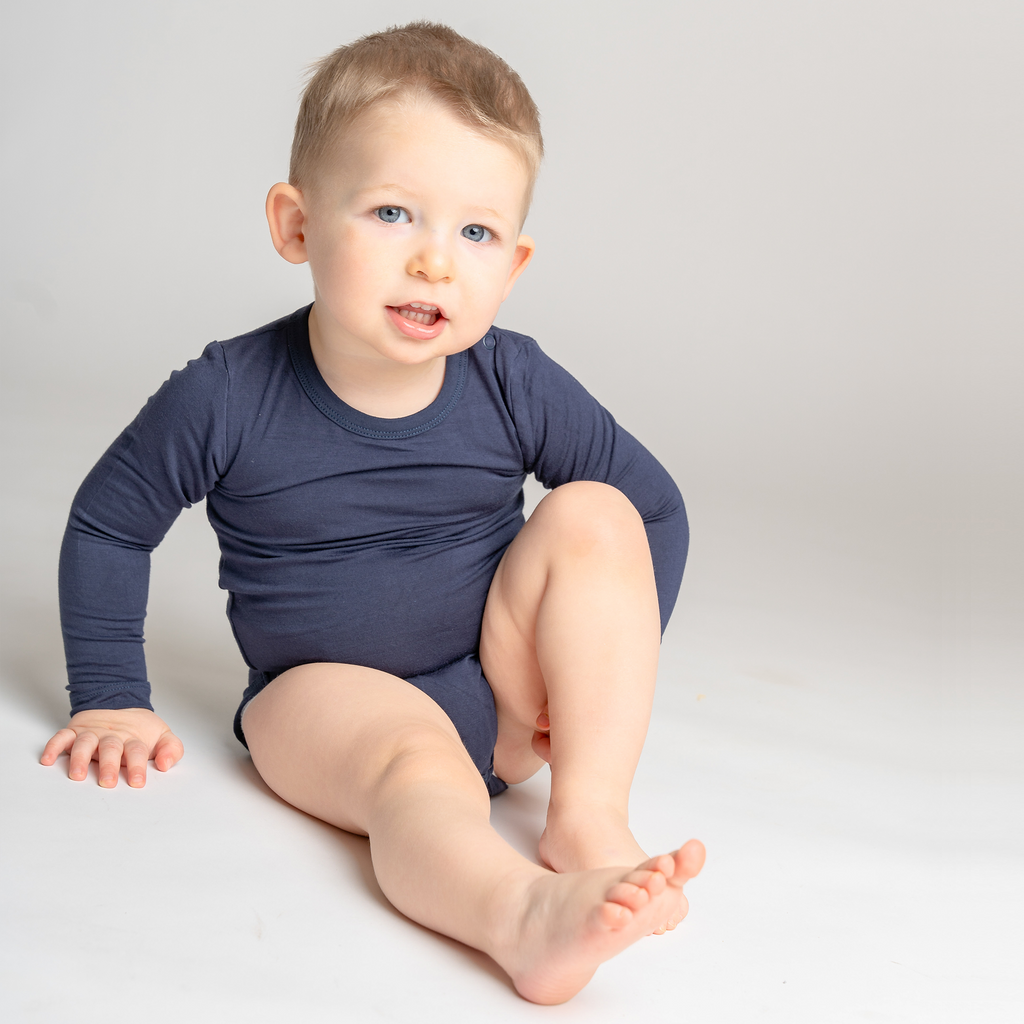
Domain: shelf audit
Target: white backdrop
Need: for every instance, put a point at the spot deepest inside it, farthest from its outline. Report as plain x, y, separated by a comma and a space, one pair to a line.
782, 241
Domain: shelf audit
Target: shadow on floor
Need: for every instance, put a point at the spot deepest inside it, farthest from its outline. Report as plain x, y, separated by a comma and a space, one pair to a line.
357, 849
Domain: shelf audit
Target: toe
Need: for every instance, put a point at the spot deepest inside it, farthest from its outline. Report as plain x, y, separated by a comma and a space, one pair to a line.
614, 915
626, 894
666, 864
687, 861
675, 920
653, 881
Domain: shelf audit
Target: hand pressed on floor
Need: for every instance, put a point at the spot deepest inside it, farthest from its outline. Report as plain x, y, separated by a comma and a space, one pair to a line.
129, 737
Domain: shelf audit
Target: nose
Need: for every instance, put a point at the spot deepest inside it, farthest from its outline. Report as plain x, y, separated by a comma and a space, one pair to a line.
432, 260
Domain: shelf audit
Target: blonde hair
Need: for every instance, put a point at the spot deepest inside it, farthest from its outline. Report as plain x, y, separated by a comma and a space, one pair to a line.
422, 57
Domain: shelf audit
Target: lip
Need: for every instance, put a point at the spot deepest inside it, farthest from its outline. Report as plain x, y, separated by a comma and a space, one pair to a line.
411, 329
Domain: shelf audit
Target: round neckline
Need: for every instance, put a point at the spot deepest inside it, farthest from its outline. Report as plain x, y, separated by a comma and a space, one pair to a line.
319, 393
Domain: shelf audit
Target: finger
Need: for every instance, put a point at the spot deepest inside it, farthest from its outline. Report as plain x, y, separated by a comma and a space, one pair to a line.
57, 745
136, 756
110, 750
167, 752
81, 754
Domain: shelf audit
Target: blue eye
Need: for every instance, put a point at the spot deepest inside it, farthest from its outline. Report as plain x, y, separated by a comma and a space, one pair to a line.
476, 233
392, 214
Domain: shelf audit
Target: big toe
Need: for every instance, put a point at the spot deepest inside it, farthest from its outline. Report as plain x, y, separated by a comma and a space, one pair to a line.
687, 861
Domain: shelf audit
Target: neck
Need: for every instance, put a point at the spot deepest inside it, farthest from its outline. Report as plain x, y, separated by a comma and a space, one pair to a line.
372, 383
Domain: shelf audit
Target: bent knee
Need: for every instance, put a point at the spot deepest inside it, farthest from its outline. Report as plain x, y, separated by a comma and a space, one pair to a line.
589, 514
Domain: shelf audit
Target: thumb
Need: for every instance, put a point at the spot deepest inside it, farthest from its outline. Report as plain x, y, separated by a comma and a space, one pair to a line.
167, 752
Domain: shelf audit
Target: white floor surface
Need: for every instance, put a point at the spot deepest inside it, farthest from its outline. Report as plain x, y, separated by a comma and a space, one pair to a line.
850, 877
861, 808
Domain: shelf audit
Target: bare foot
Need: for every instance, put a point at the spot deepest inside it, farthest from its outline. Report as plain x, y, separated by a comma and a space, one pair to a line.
572, 923
590, 841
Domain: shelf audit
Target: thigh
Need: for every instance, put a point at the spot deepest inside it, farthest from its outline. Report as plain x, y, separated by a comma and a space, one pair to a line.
322, 736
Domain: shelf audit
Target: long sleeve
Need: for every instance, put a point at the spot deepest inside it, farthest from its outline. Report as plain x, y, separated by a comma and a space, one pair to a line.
168, 458
567, 435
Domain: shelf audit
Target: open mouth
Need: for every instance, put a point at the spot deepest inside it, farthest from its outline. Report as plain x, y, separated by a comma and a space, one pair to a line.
419, 313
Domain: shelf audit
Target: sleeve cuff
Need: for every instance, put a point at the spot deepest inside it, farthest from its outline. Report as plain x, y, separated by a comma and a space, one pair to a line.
109, 696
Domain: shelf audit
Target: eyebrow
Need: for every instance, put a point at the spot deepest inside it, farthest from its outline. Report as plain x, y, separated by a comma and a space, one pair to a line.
386, 187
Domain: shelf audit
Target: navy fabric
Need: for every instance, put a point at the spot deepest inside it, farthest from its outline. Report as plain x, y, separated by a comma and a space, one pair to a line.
459, 688
344, 537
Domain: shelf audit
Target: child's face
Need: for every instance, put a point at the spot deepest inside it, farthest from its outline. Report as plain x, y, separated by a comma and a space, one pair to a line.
415, 208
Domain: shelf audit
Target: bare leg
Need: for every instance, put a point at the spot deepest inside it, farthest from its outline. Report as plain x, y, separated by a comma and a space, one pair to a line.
371, 754
570, 644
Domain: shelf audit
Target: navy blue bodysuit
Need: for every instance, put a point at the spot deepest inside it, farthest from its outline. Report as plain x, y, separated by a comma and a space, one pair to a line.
344, 537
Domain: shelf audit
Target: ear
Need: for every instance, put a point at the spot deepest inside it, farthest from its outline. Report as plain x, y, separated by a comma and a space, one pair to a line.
286, 215
520, 258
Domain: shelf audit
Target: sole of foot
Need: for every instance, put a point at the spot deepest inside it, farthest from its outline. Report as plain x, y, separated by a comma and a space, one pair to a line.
572, 923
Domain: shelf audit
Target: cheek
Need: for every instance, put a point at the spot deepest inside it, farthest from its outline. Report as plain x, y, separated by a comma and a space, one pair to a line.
488, 275
349, 271
339, 247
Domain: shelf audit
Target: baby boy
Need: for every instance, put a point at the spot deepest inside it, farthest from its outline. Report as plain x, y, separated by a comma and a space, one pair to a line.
413, 646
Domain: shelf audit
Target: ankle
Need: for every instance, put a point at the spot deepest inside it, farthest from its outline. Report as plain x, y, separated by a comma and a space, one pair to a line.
506, 911
586, 814
587, 838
